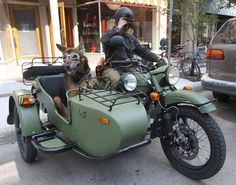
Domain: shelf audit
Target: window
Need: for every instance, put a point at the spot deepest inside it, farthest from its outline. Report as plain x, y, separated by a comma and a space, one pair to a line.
226, 34
88, 18
89, 30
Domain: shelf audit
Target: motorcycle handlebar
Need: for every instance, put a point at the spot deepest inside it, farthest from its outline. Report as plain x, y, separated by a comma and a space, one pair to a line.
125, 61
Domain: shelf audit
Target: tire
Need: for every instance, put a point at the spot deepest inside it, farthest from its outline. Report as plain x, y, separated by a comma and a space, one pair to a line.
32, 72
195, 72
27, 150
221, 97
191, 69
216, 143
185, 66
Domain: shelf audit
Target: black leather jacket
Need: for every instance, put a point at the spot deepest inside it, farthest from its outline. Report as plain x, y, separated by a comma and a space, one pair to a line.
122, 53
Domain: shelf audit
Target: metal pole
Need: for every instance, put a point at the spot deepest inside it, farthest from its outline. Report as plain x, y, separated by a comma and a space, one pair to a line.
170, 30
100, 24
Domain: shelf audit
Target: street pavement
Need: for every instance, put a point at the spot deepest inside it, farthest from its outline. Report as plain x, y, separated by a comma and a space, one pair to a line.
143, 166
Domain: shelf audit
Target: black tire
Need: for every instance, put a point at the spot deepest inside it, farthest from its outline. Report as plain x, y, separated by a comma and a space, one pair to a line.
195, 71
221, 97
191, 69
216, 141
185, 66
32, 72
27, 150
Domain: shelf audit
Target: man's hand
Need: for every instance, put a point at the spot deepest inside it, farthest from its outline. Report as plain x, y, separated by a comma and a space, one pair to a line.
161, 63
121, 23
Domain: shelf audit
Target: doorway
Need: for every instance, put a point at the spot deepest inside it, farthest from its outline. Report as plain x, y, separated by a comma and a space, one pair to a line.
26, 31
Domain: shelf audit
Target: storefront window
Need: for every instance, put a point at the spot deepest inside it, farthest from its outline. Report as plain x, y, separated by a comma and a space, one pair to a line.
88, 18
89, 30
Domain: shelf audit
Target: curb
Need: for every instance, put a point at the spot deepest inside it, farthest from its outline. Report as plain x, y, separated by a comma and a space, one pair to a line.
7, 135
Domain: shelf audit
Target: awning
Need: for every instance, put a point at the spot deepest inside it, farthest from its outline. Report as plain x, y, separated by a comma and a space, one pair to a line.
137, 2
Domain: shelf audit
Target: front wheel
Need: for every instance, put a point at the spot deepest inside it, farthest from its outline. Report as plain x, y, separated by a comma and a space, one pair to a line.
198, 150
27, 150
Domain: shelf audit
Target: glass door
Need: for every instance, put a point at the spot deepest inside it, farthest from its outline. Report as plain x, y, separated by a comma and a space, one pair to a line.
26, 31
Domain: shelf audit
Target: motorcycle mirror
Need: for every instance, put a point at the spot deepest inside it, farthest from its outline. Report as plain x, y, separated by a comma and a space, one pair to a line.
117, 41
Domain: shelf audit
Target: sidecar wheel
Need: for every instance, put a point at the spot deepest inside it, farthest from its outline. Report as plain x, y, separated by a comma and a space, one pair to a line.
203, 155
27, 150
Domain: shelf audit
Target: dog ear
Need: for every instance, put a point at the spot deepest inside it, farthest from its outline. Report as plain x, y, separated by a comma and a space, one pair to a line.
61, 48
81, 47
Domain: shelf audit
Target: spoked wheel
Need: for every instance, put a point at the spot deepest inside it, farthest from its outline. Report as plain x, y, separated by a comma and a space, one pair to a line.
27, 150
191, 69
198, 150
185, 66
195, 72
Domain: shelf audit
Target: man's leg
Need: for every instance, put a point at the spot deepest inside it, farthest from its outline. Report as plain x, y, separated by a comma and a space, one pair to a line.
111, 77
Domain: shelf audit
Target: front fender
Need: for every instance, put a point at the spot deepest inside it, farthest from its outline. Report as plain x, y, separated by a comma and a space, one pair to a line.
29, 116
189, 97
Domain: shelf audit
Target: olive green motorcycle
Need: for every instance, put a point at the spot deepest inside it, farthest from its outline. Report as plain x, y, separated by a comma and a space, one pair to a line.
105, 123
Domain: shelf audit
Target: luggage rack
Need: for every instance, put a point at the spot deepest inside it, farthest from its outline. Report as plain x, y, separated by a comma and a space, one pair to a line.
108, 98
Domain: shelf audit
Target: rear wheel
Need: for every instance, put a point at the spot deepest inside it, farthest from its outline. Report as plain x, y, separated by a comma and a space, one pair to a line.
27, 150
198, 150
191, 69
185, 66
221, 97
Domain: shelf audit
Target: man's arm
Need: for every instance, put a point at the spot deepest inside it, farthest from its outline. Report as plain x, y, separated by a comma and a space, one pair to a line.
109, 34
145, 53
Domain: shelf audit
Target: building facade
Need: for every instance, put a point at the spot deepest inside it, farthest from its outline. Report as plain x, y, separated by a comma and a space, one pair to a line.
32, 28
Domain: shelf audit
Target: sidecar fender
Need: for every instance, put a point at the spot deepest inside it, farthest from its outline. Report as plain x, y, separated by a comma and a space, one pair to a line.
29, 116
191, 98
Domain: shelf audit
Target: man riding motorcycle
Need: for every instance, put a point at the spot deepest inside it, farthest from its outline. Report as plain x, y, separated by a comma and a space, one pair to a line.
124, 24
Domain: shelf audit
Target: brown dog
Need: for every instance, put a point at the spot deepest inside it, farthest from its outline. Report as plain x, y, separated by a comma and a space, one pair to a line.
77, 68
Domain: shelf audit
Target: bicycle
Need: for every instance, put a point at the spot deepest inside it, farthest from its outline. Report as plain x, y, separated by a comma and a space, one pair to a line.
188, 65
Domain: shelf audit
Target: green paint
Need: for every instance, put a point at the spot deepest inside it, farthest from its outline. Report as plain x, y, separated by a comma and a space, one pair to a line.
29, 116
182, 96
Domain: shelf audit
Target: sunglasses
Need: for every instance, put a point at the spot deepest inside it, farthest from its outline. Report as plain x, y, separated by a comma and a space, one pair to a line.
72, 56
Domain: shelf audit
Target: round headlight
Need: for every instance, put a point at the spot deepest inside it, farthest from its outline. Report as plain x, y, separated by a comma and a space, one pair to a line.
172, 75
129, 82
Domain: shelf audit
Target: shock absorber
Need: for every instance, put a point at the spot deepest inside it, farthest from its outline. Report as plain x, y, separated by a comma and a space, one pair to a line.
166, 120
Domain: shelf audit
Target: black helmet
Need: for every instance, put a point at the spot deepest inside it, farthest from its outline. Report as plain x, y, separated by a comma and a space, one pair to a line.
124, 12
163, 42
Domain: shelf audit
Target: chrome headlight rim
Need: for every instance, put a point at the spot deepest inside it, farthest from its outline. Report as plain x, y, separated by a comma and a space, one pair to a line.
172, 75
129, 82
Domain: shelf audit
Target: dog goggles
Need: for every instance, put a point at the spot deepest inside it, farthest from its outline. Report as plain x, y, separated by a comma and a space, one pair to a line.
71, 56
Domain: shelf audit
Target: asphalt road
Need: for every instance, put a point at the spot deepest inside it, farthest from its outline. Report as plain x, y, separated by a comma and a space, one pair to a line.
143, 166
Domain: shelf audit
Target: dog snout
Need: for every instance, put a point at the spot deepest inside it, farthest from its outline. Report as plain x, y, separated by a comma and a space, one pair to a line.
71, 65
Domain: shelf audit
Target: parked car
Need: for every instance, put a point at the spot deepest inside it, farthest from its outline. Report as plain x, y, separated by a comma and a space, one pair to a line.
221, 62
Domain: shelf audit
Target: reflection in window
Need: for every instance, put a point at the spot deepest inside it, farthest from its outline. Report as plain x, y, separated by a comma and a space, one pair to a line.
226, 34
89, 27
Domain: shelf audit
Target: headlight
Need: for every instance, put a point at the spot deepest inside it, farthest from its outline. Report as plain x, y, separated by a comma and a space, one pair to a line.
129, 82
172, 75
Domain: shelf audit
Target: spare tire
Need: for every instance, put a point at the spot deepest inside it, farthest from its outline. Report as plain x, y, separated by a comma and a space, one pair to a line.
32, 72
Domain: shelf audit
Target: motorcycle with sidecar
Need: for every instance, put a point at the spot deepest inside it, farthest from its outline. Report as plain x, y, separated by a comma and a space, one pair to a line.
105, 123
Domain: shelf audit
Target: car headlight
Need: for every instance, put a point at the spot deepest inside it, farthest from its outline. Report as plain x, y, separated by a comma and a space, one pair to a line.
172, 75
129, 82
